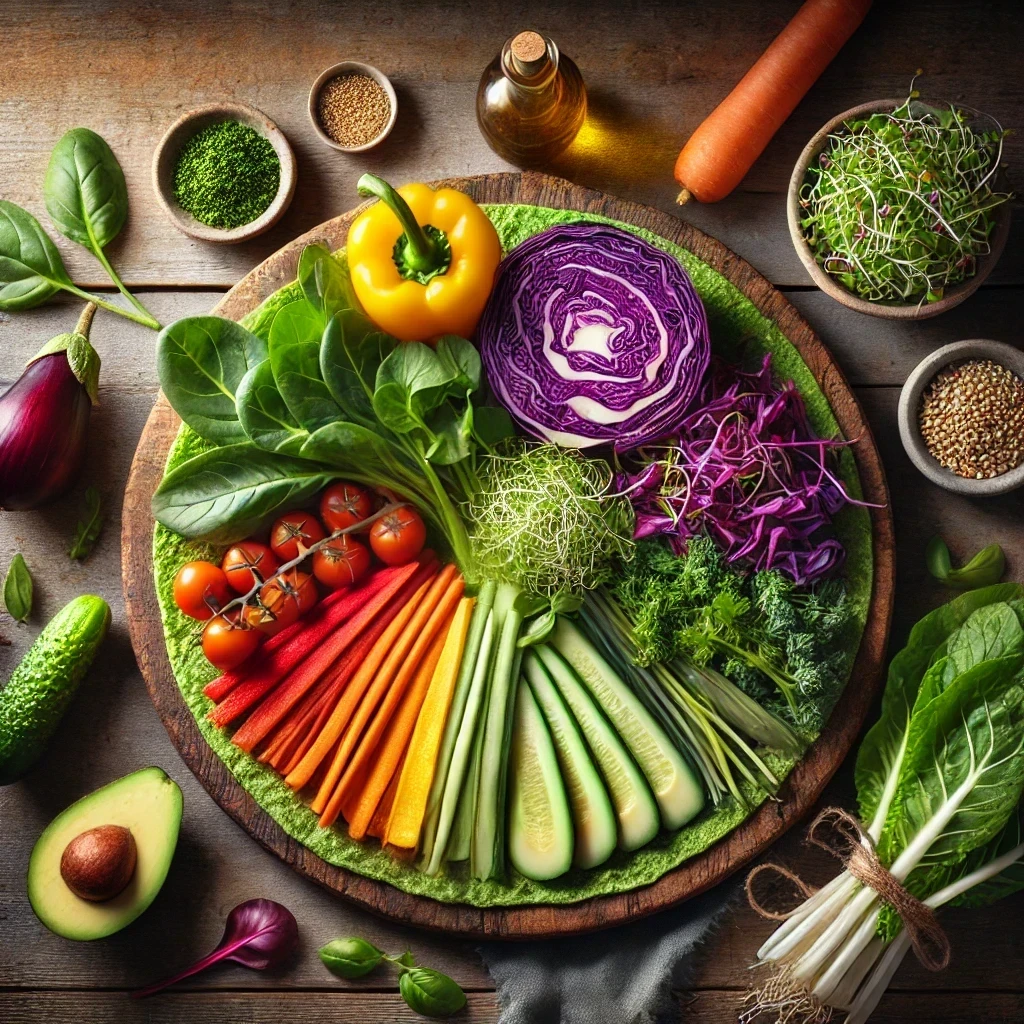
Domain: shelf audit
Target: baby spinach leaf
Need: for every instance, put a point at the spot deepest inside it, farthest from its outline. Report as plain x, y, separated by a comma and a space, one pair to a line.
430, 992
324, 281
86, 196
201, 361
351, 352
263, 414
229, 493
985, 568
31, 269
89, 526
295, 338
18, 589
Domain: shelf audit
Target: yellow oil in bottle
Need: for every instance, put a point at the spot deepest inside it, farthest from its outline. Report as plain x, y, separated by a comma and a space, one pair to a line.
531, 102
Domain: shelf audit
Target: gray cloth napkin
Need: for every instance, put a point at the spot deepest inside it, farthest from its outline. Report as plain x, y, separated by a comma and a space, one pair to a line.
621, 976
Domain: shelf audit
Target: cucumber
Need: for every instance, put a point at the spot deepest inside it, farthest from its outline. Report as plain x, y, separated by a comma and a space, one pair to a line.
679, 793
592, 814
636, 810
540, 840
41, 687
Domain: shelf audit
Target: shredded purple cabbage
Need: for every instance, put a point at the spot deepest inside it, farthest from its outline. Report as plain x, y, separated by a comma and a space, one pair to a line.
746, 468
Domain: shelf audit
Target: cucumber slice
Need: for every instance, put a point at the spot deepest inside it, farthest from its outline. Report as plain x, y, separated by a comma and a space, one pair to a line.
679, 794
592, 815
540, 838
636, 810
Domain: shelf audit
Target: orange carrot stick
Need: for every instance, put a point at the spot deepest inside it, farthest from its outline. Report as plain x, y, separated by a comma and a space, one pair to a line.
724, 147
300, 775
439, 619
393, 743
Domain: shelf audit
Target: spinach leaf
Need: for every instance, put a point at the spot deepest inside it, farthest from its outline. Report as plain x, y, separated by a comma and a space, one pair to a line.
295, 337
263, 414
201, 361
985, 568
351, 352
882, 751
964, 767
228, 493
86, 196
430, 992
31, 270
89, 526
325, 282
18, 589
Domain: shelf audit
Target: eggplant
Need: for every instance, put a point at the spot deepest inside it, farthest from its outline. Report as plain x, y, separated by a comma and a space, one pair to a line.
44, 419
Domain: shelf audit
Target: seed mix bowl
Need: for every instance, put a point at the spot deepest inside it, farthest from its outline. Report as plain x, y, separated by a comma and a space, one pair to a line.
911, 399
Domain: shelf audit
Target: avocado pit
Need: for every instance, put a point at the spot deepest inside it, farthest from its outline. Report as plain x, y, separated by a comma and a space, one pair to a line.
99, 863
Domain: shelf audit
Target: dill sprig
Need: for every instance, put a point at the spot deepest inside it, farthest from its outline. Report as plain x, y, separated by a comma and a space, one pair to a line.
900, 206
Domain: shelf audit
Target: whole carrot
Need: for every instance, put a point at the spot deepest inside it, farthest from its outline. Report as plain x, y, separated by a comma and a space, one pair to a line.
726, 144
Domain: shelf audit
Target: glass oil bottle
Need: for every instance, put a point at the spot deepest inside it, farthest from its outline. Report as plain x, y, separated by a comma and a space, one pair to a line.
531, 102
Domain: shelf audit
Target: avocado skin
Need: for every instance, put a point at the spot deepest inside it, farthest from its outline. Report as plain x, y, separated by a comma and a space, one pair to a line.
41, 687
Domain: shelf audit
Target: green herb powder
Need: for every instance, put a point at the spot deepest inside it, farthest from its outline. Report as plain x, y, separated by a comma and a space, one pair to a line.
227, 175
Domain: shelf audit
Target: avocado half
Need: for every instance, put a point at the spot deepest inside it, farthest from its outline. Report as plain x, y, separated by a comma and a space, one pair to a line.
149, 804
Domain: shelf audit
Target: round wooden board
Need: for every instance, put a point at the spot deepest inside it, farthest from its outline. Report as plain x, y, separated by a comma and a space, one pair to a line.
767, 824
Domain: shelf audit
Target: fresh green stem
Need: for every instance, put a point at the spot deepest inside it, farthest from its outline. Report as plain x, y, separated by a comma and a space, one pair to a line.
102, 257
145, 321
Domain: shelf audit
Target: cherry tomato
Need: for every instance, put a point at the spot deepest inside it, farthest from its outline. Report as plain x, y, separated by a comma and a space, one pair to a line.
280, 602
200, 589
341, 562
399, 536
227, 642
291, 530
344, 505
248, 563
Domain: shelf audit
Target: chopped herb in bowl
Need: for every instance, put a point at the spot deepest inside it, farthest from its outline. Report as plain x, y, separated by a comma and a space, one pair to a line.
899, 206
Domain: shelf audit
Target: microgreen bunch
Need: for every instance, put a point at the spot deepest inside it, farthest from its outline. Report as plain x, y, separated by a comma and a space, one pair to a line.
900, 206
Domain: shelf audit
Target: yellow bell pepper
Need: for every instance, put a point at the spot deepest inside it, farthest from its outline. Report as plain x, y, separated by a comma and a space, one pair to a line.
422, 262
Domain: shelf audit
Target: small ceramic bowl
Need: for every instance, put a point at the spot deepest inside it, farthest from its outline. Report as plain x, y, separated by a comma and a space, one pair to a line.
888, 311
352, 67
910, 406
166, 157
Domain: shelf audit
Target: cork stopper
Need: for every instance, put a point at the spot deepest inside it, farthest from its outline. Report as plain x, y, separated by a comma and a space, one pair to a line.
529, 53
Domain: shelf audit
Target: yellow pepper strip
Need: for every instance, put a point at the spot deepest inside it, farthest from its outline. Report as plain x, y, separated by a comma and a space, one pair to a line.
422, 262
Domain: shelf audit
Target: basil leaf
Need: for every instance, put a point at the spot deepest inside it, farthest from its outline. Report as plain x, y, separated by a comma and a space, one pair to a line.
201, 361
85, 192
295, 337
350, 958
18, 589
351, 352
325, 281
430, 992
262, 412
89, 526
228, 493
31, 268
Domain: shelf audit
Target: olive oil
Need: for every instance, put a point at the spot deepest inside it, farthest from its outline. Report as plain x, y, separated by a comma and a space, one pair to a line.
532, 101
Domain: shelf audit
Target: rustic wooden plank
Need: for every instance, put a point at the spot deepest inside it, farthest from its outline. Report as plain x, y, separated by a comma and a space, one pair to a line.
649, 87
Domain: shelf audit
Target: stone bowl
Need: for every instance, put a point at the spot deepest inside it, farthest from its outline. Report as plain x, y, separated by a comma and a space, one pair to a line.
888, 311
910, 404
352, 67
166, 157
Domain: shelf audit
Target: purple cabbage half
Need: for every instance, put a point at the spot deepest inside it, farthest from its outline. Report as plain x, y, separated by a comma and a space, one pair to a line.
593, 336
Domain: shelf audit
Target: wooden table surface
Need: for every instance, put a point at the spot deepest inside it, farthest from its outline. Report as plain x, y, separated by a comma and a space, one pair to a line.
654, 69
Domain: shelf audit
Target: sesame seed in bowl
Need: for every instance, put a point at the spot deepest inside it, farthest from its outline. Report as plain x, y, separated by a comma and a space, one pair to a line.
352, 106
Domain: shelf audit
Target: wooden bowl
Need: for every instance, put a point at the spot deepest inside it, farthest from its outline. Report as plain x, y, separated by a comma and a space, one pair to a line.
910, 406
352, 67
165, 158
887, 310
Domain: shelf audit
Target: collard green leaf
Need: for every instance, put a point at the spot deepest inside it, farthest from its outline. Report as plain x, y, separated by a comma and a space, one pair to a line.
295, 338
228, 493
881, 752
263, 414
350, 355
85, 192
201, 361
18, 589
964, 767
325, 283
31, 268
431, 993
89, 526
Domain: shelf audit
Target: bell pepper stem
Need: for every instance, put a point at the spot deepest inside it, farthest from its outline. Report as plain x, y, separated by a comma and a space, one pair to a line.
421, 253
